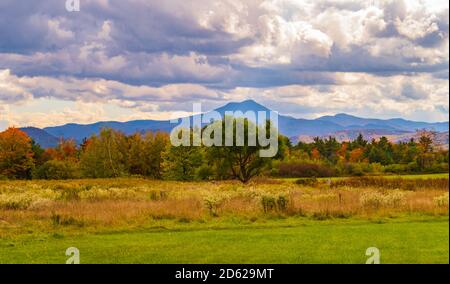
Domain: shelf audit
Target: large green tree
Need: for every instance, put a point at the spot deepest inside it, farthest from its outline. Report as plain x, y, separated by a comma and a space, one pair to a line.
245, 161
105, 155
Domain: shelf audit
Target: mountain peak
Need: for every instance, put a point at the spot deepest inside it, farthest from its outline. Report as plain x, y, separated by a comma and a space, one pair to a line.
344, 115
247, 105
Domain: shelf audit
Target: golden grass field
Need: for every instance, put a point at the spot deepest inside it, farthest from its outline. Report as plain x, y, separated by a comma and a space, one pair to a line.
99, 204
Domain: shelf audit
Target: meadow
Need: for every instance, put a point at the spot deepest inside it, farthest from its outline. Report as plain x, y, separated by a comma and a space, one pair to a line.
135, 220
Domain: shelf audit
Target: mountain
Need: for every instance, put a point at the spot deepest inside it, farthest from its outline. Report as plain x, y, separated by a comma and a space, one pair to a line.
80, 131
288, 125
248, 105
342, 125
41, 137
393, 124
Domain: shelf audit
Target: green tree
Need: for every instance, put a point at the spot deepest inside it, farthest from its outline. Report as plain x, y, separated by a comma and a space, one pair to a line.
105, 155
55, 169
243, 162
181, 162
145, 155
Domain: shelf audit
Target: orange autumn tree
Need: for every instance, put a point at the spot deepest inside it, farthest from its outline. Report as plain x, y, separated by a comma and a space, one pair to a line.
66, 150
357, 155
16, 156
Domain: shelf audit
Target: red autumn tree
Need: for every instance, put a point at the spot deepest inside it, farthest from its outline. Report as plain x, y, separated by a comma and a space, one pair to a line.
16, 155
315, 154
65, 151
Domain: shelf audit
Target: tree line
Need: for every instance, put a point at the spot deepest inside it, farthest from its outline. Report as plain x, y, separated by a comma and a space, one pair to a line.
113, 154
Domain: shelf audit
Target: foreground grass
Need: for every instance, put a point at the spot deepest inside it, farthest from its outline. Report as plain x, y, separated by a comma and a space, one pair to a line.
291, 240
132, 220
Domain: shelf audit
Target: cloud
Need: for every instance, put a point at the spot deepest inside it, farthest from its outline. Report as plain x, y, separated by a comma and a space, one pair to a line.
218, 42
411, 96
308, 57
22, 89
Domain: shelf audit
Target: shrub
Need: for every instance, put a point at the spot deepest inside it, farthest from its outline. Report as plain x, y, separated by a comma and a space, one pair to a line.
272, 203
441, 201
15, 201
268, 203
205, 172
377, 200
58, 170
61, 220
294, 169
282, 203
68, 193
357, 170
321, 215
156, 195
213, 202
353, 169
307, 181
396, 168
394, 199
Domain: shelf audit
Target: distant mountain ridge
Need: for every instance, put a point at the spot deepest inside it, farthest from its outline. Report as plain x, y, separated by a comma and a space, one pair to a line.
294, 128
394, 123
42, 137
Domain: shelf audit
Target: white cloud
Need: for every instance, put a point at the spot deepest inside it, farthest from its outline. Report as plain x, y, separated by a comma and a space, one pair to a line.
308, 57
22, 89
419, 96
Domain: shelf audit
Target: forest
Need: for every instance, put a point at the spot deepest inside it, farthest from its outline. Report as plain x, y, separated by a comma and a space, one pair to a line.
113, 154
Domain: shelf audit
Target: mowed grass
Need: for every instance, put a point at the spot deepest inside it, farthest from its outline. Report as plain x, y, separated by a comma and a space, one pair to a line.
292, 240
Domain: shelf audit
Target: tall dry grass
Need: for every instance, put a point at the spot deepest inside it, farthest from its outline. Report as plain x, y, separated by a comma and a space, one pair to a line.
115, 203
392, 183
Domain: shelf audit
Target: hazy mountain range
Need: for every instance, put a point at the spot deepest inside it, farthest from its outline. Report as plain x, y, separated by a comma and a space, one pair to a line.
342, 126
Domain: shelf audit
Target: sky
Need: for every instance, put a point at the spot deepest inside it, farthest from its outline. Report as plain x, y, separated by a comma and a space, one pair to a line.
150, 59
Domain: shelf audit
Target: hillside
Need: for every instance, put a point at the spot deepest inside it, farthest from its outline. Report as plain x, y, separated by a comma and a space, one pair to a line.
41, 137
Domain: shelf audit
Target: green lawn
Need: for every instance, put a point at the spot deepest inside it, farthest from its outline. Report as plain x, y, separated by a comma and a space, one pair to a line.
275, 241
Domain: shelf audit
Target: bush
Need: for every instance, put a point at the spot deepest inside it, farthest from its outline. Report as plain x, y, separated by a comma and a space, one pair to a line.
273, 203
62, 220
268, 203
282, 203
396, 169
441, 201
294, 169
157, 195
14, 201
58, 170
354, 170
205, 172
376, 200
307, 181
213, 202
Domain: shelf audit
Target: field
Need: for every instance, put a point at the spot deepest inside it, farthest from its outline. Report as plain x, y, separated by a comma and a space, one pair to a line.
134, 220
418, 176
